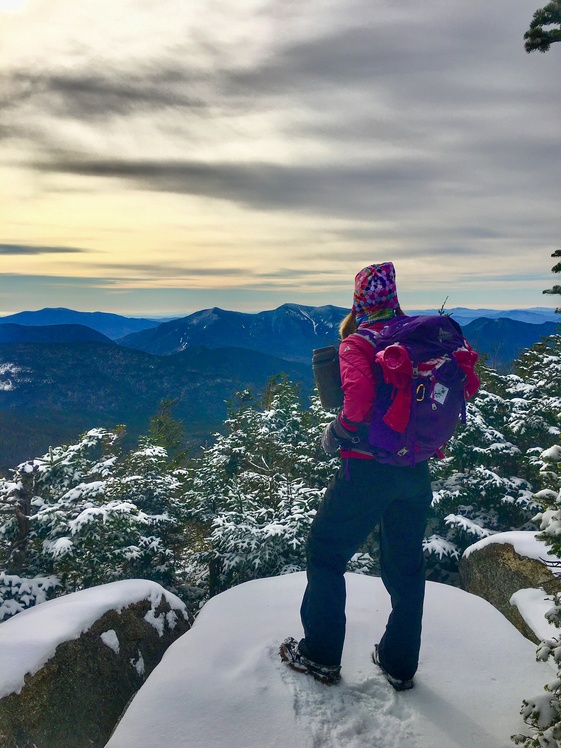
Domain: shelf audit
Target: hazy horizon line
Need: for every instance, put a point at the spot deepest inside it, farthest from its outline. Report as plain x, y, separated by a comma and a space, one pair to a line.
180, 314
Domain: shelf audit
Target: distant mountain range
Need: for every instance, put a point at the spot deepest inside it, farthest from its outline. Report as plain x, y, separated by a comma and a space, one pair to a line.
118, 326
293, 331
10, 333
57, 380
290, 332
534, 316
49, 394
503, 339
111, 325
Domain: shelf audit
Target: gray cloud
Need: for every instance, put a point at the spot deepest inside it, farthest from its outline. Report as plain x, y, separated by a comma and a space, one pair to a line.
165, 270
31, 249
81, 94
296, 274
345, 190
415, 84
18, 281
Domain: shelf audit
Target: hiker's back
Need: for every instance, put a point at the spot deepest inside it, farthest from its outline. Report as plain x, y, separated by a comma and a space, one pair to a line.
423, 370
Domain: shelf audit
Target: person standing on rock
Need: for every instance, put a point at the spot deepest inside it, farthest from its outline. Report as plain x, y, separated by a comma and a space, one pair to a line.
363, 494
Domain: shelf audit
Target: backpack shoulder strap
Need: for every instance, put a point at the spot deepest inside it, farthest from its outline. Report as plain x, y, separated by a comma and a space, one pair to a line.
381, 338
371, 336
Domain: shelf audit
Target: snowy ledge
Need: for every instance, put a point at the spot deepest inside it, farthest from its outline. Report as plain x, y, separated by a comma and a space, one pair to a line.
532, 603
29, 639
223, 684
525, 543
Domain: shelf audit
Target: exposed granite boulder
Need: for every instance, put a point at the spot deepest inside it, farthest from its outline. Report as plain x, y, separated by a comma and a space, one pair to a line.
75, 698
496, 571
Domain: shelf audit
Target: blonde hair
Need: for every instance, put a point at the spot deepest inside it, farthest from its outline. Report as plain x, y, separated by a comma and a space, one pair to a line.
347, 326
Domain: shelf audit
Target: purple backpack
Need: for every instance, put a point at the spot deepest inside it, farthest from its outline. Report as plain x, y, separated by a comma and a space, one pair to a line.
420, 387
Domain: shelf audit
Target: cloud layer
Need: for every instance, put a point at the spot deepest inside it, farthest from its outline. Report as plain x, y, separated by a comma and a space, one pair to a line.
347, 132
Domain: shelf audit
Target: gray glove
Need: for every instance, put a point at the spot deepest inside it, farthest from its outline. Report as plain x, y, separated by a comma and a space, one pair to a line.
333, 436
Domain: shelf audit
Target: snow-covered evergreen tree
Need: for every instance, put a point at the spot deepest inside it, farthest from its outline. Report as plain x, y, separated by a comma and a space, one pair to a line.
254, 492
494, 478
543, 714
83, 515
478, 487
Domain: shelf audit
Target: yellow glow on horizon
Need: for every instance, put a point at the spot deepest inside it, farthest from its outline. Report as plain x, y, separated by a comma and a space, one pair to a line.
142, 239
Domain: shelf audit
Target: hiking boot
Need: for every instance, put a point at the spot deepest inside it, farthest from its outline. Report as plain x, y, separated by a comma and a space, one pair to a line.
290, 653
399, 685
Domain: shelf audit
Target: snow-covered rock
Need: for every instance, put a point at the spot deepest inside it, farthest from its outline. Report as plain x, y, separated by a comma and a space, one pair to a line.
499, 566
525, 543
222, 683
69, 666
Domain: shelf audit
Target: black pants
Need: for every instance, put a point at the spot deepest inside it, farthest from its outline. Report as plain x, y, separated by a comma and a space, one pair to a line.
361, 495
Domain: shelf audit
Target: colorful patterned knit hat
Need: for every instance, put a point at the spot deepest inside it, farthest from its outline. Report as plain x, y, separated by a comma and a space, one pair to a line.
375, 294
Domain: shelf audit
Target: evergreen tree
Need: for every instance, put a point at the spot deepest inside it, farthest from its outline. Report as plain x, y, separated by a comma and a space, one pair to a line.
535, 393
254, 492
494, 477
84, 515
543, 714
478, 489
555, 269
167, 432
539, 38
39, 483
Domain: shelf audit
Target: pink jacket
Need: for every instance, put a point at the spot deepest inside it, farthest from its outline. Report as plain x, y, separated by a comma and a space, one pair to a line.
356, 357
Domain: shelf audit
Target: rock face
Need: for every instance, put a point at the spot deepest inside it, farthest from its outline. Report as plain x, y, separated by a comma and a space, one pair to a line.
495, 572
76, 698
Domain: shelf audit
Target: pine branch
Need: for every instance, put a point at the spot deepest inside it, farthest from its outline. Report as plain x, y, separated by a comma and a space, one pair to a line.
538, 38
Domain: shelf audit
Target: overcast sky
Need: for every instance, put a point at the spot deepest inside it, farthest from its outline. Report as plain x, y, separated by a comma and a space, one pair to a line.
164, 157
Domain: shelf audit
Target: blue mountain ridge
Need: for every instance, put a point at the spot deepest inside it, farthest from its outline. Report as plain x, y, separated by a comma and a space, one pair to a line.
12, 333
533, 315
118, 326
51, 393
290, 332
56, 381
111, 325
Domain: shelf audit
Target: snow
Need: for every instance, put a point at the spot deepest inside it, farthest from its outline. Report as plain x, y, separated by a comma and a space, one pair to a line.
222, 683
92, 514
155, 621
467, 524
525, 542
44, 627
314, 323
139, 665
60, 547
8, 370
17, 593
533, 604
440, 547
92, 489
553, 453
110, 639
